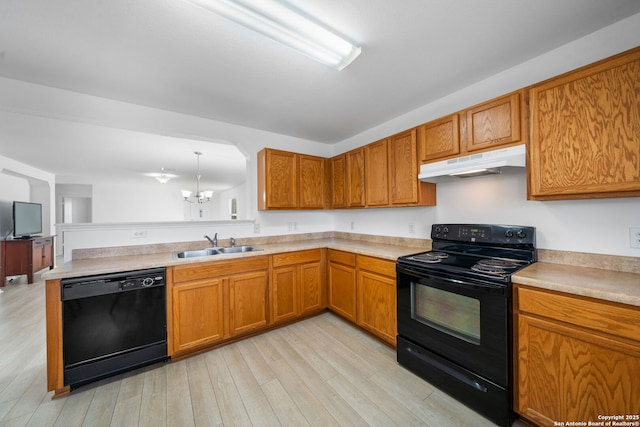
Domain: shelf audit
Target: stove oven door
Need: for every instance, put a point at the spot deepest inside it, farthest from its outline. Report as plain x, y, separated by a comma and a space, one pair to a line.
462, 320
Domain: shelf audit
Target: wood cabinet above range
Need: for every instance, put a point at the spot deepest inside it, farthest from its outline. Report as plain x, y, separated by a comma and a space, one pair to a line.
499, 122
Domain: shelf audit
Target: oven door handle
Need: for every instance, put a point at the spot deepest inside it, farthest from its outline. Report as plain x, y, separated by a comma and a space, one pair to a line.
444, 368
460, 284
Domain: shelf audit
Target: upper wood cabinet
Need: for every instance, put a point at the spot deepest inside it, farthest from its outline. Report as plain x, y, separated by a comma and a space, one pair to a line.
338, 181
312, 181
496, 123
439, 138
376, 157
355, 178
404, 187
291, 181
585, 132
277, 179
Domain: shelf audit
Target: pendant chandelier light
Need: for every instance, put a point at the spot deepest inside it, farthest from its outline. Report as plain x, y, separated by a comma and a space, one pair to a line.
199, 196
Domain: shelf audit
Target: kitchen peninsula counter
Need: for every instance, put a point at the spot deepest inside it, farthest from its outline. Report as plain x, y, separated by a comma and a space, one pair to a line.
139, 261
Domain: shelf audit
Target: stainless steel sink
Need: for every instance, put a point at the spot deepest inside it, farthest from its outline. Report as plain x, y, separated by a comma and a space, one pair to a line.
236, 249
214, 251
197, 253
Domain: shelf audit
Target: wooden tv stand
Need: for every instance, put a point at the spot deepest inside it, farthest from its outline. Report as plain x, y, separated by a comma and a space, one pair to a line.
25, 256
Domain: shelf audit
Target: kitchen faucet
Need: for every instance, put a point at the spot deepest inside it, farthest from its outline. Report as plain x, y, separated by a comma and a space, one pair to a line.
213, 242
233, 242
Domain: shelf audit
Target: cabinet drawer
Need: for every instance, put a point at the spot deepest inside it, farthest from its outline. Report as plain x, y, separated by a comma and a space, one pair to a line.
615, 319
299, 257
183, 273
340, 257
377, 265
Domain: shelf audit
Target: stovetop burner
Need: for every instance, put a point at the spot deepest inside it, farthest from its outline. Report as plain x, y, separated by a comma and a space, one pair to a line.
496, 267
430, 257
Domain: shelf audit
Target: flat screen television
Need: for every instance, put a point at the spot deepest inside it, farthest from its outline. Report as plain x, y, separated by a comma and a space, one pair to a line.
27, 219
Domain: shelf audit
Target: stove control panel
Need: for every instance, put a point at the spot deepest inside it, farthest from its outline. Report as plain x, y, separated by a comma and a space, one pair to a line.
484, 233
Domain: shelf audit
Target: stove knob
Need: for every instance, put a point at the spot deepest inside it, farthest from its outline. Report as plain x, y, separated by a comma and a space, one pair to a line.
438, 229
521, 234
445, 230
508, 233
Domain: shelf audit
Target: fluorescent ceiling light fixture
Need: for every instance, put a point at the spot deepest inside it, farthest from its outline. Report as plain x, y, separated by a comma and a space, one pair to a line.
274, 20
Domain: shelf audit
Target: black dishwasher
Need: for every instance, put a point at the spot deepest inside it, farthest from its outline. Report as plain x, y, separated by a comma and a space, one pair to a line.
112, 323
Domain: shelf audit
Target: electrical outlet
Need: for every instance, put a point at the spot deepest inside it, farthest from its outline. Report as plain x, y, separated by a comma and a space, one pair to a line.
412, 229
139, 234
353, 225
256, 228
634, 237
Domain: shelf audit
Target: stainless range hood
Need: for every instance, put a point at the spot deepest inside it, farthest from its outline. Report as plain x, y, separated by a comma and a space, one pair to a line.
485, 163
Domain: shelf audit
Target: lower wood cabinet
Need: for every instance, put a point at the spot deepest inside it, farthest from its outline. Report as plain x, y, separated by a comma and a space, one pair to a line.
342, 283
248, 302
198, 314
210, 302
376, 290
362, 289
576, 358
219, 301
297, 284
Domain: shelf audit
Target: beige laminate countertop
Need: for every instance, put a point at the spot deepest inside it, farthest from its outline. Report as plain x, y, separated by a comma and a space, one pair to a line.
114, 264
610, 285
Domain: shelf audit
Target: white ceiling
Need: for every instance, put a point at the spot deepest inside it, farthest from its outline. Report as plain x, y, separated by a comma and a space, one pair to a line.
172, 55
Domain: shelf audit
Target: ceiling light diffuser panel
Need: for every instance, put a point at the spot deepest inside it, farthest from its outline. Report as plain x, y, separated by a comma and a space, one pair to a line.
276, 21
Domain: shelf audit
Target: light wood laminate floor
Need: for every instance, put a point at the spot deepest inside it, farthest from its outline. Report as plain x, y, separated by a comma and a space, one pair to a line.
319, 372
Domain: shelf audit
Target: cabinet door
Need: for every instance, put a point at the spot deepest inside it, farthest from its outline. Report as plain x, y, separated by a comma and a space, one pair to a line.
439, 139
584, 132
355, 178
311, 298
312, 182
47, 252
342, 290
197, 314
37, 253
494, 123
565, 373
248, 298
338, 178
403, 168
377, 298
377, 173
277, 180
284, 293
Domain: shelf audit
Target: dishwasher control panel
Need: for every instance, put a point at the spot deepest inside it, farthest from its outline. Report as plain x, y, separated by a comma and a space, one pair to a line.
88, 286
